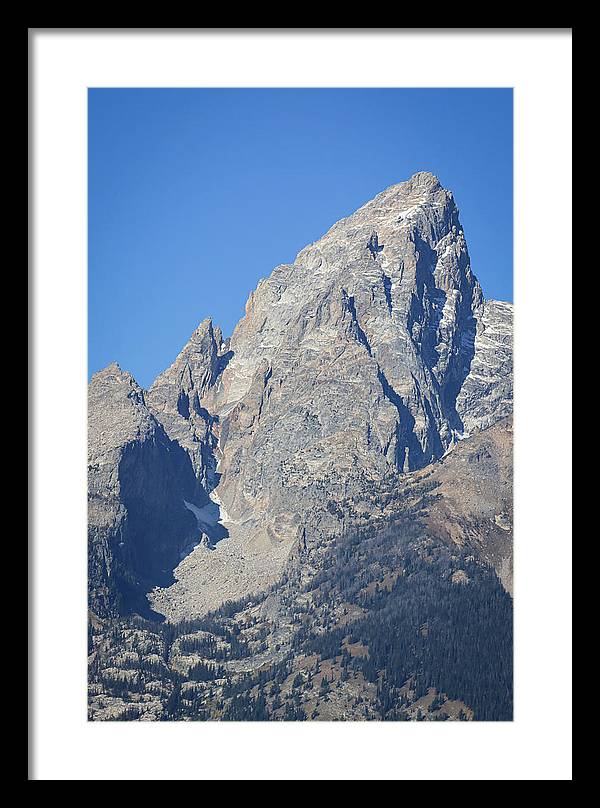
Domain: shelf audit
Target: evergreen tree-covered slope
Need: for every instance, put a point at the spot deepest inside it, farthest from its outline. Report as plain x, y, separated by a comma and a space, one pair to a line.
387, 622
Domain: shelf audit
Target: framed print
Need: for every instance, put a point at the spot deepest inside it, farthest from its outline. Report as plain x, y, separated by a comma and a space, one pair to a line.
293, 345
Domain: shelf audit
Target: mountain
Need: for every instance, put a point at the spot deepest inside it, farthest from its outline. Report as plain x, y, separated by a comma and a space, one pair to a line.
176, 397
474, 506
487, 392
137, 481
373, 351
367, 392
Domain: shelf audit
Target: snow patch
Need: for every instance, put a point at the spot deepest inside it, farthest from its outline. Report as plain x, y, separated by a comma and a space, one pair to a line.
207, 515
223, 515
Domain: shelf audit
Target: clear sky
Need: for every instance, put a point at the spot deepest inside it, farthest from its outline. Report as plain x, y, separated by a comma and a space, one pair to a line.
194, 195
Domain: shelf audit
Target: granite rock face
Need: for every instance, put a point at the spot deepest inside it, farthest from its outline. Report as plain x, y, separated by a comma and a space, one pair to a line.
138, 479
373, 353
175, 398
366, 339
487, 392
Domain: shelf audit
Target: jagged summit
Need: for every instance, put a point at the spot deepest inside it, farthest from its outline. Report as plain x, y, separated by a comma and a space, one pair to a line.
206, 329
111, 370
422, 183
177, 393
427, 178
114, 375
113, 367
398, 204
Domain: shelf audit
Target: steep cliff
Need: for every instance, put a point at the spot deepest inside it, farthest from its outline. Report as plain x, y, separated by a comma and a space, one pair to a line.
138, 481
175, 398
487, 393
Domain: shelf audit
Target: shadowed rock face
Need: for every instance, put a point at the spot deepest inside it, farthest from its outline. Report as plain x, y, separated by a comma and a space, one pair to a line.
176, 395
138, 526
374, 352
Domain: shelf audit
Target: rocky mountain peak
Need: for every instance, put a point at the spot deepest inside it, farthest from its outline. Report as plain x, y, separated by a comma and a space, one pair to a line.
176, 395
321, 505
373, 353
138, 482
206, 334
399, 270
116, 410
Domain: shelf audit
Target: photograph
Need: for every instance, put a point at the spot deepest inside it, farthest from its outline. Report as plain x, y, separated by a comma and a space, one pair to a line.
300, 405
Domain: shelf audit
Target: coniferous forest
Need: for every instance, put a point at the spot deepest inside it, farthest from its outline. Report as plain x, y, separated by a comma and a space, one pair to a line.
393, 625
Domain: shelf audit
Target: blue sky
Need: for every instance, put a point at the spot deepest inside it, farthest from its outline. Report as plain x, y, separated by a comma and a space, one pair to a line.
196, 194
